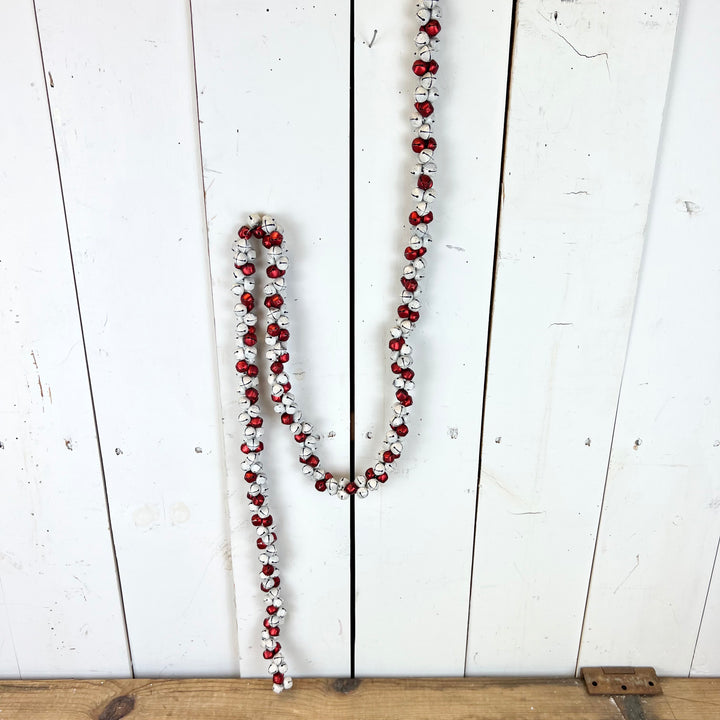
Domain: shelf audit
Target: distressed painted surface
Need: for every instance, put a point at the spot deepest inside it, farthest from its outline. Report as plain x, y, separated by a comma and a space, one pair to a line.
586, 104
60, 611
414, 536
661, 515
275, 140
587, 94
123, 105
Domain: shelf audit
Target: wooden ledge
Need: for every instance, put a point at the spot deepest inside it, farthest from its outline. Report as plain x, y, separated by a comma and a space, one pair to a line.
375, 699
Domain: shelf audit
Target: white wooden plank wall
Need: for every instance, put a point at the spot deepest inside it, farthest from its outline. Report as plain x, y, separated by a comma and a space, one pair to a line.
60, 608
172, 122
661, 514
273, 99
407, 577
587, 93
123, 102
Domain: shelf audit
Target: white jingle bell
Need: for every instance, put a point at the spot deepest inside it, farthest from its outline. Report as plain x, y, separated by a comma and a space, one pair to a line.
254, 219
268, 224
425, 53
425, 156
422, 39
423, 15
372, 484
417, 193
405, 361
416, 120
282, 263
424, 131
421, 208
421, 94
430, 3
416, 242
428, 80
250, 319
414, 305
396, 448
362, 492
409, 272
429, 196
436, 12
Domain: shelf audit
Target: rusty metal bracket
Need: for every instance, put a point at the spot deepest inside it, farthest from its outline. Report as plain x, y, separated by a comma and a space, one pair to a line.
621, 681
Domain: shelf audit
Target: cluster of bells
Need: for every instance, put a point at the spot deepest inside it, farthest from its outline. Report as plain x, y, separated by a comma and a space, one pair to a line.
265, 230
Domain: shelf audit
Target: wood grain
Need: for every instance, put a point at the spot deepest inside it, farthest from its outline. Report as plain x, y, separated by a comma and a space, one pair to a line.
419, 699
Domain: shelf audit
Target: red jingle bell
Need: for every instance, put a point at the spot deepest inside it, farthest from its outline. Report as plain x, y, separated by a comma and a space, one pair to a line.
432, 28
247, 269
410, 284
419, 68
424, 182
424, 108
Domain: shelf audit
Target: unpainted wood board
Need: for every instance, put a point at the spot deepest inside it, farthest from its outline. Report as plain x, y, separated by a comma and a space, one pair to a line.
123, 102
661, 514
60, 610
420, 699
587, 92
414, 535
273, 105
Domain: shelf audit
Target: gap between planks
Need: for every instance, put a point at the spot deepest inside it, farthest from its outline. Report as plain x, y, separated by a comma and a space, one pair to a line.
420, 699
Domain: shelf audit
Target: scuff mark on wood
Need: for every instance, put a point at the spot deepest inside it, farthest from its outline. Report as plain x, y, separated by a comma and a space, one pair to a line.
69, 443
625, 579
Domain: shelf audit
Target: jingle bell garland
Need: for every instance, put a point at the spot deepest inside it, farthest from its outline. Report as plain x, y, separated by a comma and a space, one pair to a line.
265, 230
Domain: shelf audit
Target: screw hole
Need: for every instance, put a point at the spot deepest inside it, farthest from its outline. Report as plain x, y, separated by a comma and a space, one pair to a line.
624, 687
594, 682
651, 683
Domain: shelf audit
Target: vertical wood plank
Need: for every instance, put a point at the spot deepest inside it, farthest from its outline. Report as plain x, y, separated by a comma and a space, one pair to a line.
60, 609
407, 577
587, 93
706, 659
661, 515
273, 101
123, 100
